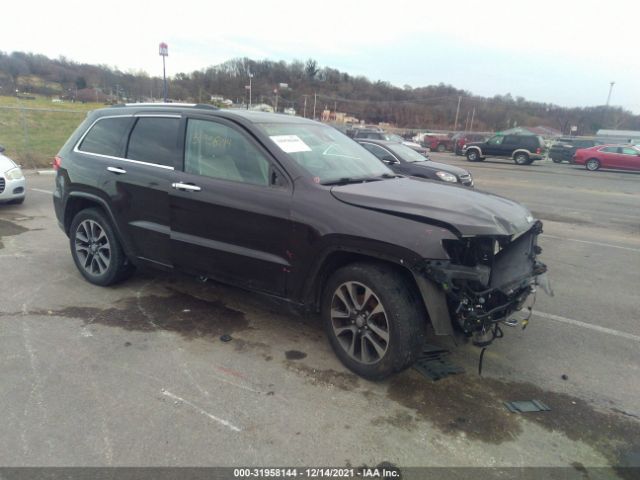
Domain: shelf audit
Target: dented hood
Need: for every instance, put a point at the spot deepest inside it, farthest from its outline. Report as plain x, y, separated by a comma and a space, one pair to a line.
467, 211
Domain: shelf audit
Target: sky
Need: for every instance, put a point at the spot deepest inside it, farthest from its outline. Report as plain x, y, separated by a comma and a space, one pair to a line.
564, 52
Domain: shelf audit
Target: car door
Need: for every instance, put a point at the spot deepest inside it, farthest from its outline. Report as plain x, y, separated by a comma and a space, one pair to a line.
609, 157
136, 166
508, 145
630, 158
230, 208
493, 145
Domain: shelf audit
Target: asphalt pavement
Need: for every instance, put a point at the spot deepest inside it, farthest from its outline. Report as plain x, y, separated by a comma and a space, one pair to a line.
136, 375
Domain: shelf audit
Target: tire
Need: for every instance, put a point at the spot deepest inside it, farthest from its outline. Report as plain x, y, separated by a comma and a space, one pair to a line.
349, 319
17, 201
521, 158
473, 155
556, 160
96, 250
592, 164
441, 148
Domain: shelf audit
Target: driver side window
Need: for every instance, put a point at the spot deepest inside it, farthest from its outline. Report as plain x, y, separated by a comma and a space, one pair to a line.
497, 140
218, 151
380, 153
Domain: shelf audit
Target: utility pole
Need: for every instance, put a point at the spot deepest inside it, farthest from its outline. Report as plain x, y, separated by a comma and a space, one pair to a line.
304, 110
473, 114
466, 123
315, 97
250, 77
611, 84
455, 126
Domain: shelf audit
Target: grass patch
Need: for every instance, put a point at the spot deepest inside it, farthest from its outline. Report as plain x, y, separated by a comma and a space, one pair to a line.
32, 131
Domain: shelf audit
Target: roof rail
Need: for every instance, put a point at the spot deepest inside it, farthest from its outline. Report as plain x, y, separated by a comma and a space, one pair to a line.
168, 104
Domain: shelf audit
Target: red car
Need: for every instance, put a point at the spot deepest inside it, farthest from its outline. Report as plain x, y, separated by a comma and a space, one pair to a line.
438, 143
624, 157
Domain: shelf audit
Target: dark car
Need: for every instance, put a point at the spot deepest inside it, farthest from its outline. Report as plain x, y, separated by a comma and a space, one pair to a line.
522, 149
294, 209
462, 139
372, 134
405, 161
564, 149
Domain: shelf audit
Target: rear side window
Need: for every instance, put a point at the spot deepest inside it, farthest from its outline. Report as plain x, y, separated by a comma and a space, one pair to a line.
154, 140
106, 137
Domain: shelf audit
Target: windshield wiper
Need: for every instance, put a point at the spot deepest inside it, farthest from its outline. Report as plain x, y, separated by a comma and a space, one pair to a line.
347, 180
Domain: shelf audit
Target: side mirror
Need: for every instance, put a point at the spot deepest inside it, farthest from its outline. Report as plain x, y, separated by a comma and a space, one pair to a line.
389, 161
1, 149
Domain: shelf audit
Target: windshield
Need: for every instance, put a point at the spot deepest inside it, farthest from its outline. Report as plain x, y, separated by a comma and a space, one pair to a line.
325, 153
390, 137
407, 154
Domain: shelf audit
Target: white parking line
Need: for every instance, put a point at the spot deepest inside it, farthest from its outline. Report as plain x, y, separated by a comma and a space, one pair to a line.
597, 328
200, 410
41, 191
629, 249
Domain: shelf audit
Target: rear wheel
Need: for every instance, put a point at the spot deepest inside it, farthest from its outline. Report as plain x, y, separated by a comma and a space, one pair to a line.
96, 250
374, 319
441, 147
592, 164
521, 158
556, 160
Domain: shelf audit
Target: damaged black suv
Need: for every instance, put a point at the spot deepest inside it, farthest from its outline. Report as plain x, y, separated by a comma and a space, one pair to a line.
295, 209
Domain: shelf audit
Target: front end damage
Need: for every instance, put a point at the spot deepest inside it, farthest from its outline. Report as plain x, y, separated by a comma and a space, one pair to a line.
485, 281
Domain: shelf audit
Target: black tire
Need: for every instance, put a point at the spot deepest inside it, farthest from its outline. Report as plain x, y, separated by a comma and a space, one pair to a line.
91, 262
592, 164
441, 147
556, 160
473, 155
402, 315
521, 158
17, 201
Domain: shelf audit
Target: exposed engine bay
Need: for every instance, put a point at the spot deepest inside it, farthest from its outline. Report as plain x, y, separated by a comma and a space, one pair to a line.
488, 279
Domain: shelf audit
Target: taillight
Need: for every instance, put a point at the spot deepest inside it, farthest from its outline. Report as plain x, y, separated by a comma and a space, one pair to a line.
57, 162
538, 150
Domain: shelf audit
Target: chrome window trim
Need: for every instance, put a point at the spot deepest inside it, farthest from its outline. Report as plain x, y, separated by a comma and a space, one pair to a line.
76, 148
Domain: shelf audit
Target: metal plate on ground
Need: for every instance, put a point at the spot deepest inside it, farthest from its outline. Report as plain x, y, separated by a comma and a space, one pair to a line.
435, 364
527, 406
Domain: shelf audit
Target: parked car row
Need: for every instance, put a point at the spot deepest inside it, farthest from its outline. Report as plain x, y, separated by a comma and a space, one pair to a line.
295, 209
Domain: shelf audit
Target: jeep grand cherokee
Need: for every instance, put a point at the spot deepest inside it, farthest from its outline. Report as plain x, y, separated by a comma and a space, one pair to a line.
293, 208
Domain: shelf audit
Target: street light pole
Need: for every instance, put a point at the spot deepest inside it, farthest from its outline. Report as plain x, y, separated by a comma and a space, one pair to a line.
164, 52
611, 84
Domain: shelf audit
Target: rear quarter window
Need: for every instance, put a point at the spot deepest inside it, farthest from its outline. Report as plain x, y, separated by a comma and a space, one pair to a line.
107, 136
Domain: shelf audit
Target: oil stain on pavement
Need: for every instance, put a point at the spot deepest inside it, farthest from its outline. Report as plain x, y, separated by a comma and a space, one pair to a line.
474, 406
8, 229
181, 313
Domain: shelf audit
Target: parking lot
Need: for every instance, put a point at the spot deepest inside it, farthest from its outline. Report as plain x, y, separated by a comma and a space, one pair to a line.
138, 375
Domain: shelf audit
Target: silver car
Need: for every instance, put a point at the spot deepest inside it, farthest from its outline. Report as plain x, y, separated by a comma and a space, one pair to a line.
12, 181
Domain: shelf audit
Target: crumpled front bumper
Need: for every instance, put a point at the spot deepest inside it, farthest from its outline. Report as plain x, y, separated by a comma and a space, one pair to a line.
482, 295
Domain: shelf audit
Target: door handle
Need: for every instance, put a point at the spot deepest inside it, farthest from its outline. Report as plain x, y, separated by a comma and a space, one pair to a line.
117, 170
186, 186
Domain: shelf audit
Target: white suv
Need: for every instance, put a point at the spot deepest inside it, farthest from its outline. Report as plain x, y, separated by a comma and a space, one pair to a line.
12, 182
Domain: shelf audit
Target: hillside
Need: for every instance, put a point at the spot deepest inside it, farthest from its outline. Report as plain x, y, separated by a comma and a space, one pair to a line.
33, 137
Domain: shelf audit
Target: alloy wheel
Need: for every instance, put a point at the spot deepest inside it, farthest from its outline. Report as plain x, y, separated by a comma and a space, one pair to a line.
92, 247
360, 322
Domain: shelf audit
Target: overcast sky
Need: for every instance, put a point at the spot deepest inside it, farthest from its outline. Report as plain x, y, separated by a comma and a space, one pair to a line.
564, 52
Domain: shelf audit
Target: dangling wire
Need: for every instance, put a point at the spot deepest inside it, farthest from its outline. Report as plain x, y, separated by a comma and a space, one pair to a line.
480, 362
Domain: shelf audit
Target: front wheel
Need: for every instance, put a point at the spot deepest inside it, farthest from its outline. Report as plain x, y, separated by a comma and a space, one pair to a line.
473, 155
96, 250
592, 164
374, 319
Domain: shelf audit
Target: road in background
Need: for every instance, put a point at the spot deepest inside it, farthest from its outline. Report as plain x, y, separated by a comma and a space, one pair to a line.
137, 375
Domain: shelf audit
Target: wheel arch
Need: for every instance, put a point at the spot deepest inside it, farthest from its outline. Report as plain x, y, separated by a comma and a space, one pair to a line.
520, 150
78, 201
